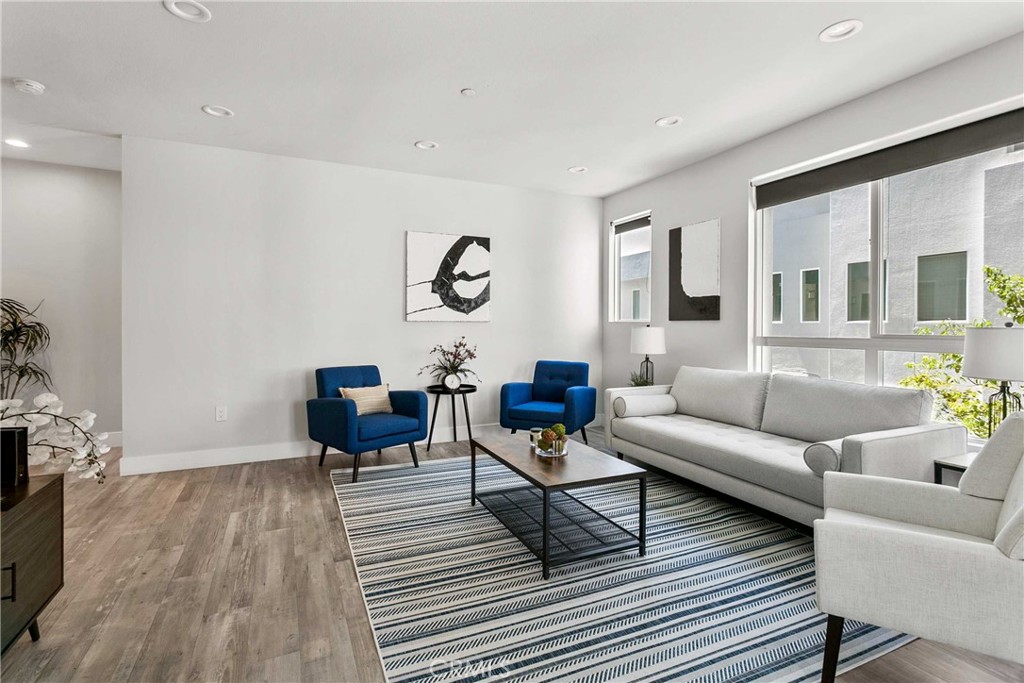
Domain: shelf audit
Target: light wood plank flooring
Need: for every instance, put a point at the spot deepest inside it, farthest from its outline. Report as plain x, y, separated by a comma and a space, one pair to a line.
243, 573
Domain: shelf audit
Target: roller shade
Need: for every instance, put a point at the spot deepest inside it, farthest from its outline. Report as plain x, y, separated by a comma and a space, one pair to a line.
981, 136
635, 224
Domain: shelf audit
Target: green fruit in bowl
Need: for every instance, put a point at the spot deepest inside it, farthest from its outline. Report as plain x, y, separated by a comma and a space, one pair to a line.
544, 445
548, 435
558, 429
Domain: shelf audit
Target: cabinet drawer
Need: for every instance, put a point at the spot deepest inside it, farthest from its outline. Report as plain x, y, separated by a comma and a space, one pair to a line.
32, 558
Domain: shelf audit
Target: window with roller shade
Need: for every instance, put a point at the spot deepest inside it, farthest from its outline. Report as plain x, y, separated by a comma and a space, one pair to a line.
882, 247
631, 269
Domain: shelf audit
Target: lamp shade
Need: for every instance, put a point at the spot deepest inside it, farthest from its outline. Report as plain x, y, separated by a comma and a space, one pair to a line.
648, 340
994, 353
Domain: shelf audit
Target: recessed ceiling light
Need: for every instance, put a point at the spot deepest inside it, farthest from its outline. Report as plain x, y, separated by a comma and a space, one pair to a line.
218, 111
841, 30
189, 10
426, 144
468, 92
668, 121
577, 169
30, 87
17, 143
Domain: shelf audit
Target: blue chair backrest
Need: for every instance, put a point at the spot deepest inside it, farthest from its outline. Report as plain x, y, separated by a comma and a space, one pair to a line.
552, 377
330, 380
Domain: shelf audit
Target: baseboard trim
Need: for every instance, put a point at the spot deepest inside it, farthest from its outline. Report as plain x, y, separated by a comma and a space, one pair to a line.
217, 457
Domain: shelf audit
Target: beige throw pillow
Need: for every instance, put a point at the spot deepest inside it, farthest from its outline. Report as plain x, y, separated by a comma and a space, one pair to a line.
369, 399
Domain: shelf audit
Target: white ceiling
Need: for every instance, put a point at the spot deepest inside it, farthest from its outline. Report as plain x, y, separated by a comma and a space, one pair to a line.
559, 84
62, 146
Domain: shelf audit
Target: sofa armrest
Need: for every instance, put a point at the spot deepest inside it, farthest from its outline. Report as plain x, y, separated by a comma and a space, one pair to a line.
611, 394
409, 404
905, 453
580, 407
332, 422
913, 502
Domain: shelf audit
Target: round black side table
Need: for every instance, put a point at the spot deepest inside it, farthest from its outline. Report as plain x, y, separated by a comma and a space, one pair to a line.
439, 390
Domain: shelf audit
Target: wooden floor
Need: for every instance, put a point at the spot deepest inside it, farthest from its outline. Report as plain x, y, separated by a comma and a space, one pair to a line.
243, 573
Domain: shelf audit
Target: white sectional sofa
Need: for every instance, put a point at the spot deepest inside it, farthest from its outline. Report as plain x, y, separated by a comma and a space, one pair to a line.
769, 439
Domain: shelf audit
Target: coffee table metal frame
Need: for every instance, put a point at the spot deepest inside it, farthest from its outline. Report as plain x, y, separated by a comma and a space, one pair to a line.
518, 509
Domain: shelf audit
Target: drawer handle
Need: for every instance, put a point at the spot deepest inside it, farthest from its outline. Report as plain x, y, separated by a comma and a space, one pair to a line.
13, 569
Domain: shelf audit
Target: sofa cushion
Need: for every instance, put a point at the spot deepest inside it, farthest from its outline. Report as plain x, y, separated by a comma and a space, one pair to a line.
824, 456
991, 471
369, 400
729, 396
640, 405
538, 411
771, 461
822, 410
385, 424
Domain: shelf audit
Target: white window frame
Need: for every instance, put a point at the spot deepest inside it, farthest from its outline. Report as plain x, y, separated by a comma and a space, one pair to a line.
782, 298
873, 345
817, 302
614, 269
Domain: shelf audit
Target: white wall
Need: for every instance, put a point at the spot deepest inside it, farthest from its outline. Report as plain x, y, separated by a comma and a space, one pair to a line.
719, 188
62, 246
244, 272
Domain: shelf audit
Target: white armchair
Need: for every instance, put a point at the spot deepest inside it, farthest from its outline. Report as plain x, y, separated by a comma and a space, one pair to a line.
934, 561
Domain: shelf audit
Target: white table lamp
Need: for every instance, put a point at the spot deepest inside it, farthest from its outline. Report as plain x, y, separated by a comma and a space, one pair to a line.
996, 353
649, 341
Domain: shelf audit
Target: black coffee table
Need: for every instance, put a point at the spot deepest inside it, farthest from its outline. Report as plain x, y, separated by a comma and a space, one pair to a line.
555, 526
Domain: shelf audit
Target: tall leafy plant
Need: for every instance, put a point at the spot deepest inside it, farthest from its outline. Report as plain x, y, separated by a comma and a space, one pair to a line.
23, 338
957, 398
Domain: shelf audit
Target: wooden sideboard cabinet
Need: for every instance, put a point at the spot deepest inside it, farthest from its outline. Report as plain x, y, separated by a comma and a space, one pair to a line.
31, 553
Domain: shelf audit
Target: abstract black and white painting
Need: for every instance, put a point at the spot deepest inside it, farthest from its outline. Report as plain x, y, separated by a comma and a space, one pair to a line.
448, 277
694, 262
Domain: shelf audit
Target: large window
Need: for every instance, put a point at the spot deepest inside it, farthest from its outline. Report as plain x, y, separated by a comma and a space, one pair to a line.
631, 269
890, 266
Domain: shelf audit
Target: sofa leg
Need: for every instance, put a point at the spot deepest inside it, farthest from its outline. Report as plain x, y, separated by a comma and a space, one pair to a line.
833, 637
514, 431
583, 431
621, 456
355, 469
323, 452
412, 449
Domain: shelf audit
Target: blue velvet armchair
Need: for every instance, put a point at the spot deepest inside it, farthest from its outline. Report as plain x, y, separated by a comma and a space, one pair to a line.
333, 422
558, 393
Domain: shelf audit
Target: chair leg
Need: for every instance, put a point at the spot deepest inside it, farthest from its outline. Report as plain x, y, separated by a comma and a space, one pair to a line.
355, 469
833, 637
412, 449
583, 431
378, 451
621, 456
323, 452
514, 431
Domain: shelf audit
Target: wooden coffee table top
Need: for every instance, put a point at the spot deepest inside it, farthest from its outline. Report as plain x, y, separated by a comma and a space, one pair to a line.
583, 466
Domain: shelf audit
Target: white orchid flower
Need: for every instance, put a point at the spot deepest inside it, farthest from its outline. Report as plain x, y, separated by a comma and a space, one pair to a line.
9, 403
43, 400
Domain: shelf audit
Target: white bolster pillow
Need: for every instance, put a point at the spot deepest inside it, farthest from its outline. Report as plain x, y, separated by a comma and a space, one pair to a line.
643, 405
824, 456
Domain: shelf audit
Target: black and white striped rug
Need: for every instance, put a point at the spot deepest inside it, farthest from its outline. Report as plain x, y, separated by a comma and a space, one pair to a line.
722, 595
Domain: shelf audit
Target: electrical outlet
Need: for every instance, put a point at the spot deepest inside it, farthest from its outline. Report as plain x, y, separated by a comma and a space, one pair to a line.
221, 414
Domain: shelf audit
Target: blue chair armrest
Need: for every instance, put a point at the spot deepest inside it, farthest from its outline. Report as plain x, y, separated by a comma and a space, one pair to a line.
513, 394
580, 407
410, 404
332, 422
